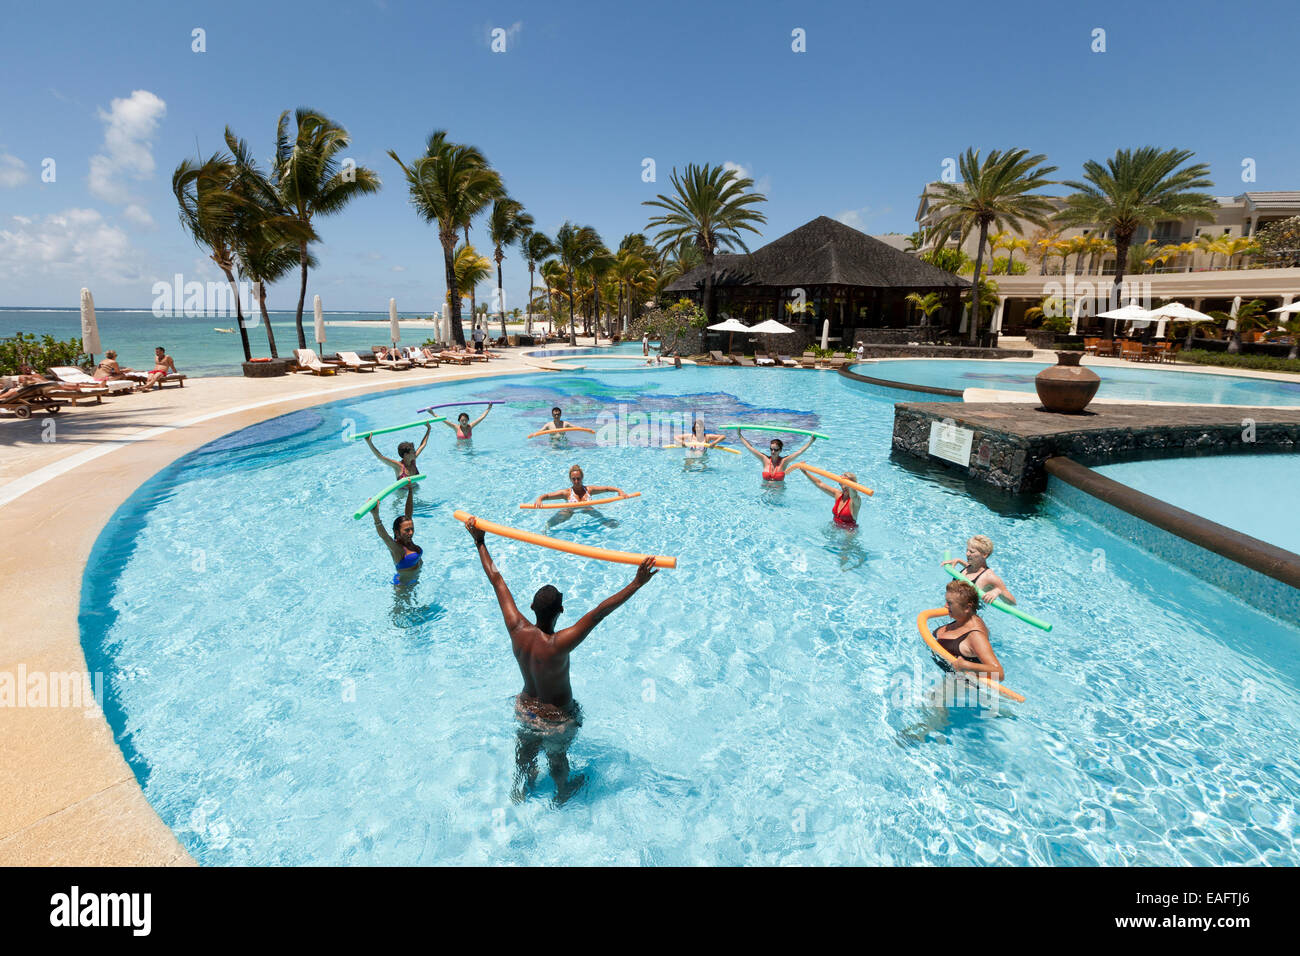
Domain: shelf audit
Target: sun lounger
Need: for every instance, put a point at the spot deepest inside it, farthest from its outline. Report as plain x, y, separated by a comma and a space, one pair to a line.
71, 375
456, 358
382, 357
42, 397
431, 358
762, 358
787, 361
744, 360
308, 361
354, 362
839, 362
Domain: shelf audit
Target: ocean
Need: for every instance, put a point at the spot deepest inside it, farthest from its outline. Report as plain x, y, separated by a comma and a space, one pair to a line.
192, 341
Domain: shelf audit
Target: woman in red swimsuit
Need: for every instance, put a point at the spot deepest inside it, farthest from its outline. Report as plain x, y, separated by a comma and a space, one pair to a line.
463, 427
847, 501
775, 464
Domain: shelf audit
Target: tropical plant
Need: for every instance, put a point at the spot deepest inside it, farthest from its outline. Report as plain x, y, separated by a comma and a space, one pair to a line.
994, 191
949, 260
1249, 316
682, 320
1279, 244
927, 304
633, 275
535, 247
208, 211
1051, 307
471, 268
506, 225
312, 182
23, 348
710, 207
449, 184
1135, 189
576, 245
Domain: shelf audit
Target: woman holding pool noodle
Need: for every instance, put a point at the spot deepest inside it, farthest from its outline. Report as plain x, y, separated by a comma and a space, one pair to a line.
775, 464
407, 454
407, 555
847, 500
463, 427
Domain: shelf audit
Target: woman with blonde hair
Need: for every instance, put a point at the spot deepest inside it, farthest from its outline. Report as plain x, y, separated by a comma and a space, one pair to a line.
976, 567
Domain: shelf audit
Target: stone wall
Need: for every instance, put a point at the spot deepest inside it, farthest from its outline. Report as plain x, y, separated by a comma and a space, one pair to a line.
940, 351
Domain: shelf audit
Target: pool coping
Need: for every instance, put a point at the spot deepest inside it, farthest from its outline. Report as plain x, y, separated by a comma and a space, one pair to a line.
70, 798
1250, 552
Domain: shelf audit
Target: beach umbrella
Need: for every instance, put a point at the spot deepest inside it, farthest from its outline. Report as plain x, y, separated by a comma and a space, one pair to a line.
320, 324
1292, 307
732, 326
1139, 316
394, 330
444, 326
826, 334
89, 328
770, 327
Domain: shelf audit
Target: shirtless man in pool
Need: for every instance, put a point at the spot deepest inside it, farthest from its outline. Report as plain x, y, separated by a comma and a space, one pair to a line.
548, 715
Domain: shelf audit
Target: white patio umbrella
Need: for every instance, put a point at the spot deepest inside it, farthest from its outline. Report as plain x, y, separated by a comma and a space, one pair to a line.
731, 325
1293, 307
826, 334
394, 330
320, 325
89, 327
1139, 316
444, 324
1178, 312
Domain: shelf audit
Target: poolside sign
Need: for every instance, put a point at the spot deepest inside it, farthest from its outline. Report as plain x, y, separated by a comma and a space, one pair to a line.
951, 443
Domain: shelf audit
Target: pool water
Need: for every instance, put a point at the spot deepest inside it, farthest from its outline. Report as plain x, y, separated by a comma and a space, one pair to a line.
1139, 383
1243, 492
767, 702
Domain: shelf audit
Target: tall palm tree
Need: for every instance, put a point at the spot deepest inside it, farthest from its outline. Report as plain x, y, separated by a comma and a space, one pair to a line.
471, 268
711, 207
1135, 189
448, 185
597, 267
632, 274
536, 247
312, 182
204, 191
553, 274
994, 191
576, 245
506, 224
269, 239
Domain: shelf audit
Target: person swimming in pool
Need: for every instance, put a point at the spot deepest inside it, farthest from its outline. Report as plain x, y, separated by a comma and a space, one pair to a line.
699, 439
557, 421
407, 453
966, 636
464, 427
548, 715
578, 492
775, 464
978, 551
407, 555
847, 501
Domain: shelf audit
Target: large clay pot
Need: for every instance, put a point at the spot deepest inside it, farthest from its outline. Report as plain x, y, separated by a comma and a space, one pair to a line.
1067, 386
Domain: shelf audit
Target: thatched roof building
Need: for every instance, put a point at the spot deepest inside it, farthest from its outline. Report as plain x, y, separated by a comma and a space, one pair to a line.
846, 276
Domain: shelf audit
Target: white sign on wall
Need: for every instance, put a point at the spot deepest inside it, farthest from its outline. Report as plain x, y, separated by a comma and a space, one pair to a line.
951, 442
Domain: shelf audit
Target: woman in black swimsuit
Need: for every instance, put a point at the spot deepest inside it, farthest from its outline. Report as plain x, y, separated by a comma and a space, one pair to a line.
966, 637
978, 551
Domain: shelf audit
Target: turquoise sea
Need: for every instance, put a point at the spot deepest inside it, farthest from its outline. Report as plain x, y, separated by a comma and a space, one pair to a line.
192, 341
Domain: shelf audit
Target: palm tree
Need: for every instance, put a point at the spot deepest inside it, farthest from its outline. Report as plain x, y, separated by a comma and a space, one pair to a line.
993, 192
1240, 246
507, 223
597, 267
471, 268
632, 274
928, 304
1249, 315
448, 184
710, 208
535, 246
310, 180
204, 191
576, 245
268, 238
553, 274
1135, 189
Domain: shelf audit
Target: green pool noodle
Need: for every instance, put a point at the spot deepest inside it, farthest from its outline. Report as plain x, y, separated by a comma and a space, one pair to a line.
998, 603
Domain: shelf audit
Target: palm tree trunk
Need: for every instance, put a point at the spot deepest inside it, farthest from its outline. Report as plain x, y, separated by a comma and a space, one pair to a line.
270, 334
449, 261
529, 323
501, 294
975, 289
302, 295
573, 332
595, 304
1122, 242
473, 305
239, 313
708, 285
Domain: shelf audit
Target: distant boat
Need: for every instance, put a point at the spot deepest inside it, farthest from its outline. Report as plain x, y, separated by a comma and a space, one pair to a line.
223, 330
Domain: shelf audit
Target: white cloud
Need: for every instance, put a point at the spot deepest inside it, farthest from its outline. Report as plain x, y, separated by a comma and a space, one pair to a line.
76, 243
858, 218
137, 214
399, 268
128, 146
13, 171
762, 184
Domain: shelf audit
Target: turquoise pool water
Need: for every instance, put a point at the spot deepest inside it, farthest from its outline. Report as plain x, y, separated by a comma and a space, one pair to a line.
1139, 383
769, 701
1244, 492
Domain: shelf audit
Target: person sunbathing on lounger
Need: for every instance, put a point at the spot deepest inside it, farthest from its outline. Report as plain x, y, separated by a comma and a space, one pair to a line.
163, 365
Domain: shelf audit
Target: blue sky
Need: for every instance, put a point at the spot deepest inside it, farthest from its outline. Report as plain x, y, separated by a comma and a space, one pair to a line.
852, 128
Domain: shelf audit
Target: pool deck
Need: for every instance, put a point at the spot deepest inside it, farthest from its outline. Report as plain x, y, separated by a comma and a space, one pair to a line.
67, 796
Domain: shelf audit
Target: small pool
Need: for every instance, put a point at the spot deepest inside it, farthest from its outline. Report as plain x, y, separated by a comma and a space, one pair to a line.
1248, 493
1137, 383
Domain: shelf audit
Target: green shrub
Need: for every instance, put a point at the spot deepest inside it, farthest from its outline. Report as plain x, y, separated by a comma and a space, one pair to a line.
1260, 363
40, 354
1060, 324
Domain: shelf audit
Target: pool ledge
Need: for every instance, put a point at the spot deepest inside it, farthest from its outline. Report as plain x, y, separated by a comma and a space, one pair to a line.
68, 797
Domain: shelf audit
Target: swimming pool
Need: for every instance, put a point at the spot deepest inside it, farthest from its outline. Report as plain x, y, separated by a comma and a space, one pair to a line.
767, 702
1139, 383
1244, 492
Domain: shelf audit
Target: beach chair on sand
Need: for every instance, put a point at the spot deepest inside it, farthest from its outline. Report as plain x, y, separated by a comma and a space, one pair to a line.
353, 362
71, 375
308, 361
389, 361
